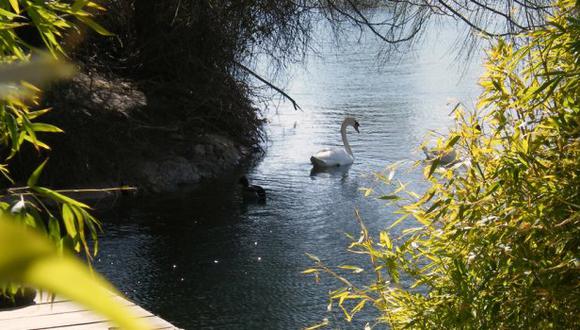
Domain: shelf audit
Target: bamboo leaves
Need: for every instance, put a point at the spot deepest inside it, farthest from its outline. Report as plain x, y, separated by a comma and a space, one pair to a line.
15, 6
94, 25
33, 179
21, 75
493, 245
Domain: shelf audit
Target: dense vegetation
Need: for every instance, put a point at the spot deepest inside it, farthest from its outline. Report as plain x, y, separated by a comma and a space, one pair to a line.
68, 225
196, 64
493, 243
40, 227
497, 241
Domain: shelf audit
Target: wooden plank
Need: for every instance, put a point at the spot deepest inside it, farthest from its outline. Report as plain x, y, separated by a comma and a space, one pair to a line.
44, 298
63, 319
67, 315
58, 307
155, 322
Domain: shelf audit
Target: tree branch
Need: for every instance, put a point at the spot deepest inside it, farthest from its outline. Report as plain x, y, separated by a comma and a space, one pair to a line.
279, 90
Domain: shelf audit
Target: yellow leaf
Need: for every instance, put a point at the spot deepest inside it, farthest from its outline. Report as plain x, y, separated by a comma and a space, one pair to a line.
385, 240
358, 307
322, 324
354, 269
14, 4
27, 257
95, 26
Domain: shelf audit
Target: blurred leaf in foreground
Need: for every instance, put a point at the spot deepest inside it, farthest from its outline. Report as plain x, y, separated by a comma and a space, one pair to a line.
27, 257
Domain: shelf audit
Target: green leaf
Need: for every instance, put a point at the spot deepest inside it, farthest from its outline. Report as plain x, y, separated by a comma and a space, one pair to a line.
358, 307
453, 141
31, 137
8, 14
42, 127
59, 197
37, 144
12, 128
433, 167
33, 222
394, 224
38, 113
95, 26
33, 179
54, 229
79, 4
27, 257
386, 240
389, 197
69, 220
14, 4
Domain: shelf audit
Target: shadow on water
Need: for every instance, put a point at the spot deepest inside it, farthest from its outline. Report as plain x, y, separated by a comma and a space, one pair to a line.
325, 172
209, 260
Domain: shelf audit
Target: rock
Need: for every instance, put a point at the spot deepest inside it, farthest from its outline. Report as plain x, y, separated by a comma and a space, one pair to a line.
170, 175
97, 93
209, 149
155, 156
187, 166
199, 150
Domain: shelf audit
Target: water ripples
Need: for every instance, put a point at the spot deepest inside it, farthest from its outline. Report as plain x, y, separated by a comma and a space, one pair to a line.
208, 260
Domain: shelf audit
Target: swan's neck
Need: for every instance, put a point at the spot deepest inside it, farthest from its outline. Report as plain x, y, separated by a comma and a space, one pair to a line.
344, 139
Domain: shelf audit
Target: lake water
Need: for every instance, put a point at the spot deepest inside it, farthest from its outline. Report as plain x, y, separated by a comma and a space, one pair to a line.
207, 260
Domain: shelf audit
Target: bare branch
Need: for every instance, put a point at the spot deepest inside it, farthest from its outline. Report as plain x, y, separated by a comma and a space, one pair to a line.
279, 90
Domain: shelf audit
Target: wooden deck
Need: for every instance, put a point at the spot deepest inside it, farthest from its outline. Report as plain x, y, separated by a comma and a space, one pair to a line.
65, 314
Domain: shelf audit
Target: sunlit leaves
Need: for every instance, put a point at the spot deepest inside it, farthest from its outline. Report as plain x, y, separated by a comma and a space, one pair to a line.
15, 6
26, 257
94, 25
50, 18
33, 179
23, 71
493, 242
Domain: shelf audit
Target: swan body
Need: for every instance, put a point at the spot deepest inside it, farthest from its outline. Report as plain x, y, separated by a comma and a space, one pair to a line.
252, 192
446, 158
333, 157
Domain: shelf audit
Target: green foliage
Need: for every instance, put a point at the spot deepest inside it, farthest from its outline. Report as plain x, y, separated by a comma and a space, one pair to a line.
27, 257
20, 108
48, 20
494, 241
42, 226
22, 70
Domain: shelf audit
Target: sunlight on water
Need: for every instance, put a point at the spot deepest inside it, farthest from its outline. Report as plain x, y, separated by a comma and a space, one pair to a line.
208, 260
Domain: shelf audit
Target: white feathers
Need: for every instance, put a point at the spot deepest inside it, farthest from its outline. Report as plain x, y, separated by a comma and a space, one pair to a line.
333, 157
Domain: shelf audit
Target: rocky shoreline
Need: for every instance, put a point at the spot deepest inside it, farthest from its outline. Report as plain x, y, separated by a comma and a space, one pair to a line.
112, 140
206, 158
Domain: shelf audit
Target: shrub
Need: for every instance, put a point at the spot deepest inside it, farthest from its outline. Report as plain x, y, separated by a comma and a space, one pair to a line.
495, 239
24, 27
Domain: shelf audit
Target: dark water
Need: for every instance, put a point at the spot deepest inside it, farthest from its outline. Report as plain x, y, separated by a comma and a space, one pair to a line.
207, 260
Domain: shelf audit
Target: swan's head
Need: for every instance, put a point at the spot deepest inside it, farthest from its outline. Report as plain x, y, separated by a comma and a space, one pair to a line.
349, 121
244, 181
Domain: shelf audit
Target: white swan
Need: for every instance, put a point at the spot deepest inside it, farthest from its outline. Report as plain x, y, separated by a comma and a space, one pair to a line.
337, 156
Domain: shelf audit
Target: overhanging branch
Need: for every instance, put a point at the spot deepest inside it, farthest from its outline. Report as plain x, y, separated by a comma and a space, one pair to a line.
277, 89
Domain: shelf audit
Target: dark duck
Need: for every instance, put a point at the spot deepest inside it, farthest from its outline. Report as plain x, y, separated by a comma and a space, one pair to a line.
252, 192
